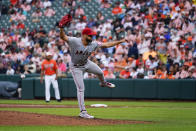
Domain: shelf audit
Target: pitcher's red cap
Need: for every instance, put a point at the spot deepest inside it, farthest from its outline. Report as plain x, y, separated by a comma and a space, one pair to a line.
88, 31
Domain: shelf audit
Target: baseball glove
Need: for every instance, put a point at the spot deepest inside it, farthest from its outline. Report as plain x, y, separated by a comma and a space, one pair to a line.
65, 21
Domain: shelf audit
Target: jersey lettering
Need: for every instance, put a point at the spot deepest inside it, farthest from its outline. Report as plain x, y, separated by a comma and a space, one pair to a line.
82, 53
48, 66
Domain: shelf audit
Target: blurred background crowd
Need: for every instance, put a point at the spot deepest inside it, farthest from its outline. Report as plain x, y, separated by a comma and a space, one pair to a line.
161, 36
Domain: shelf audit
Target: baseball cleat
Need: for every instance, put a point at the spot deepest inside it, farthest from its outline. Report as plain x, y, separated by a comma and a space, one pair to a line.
84, 114
58, 100
107, 84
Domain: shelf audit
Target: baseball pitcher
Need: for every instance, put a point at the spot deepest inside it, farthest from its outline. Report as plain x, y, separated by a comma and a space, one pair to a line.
49, 69
80, 50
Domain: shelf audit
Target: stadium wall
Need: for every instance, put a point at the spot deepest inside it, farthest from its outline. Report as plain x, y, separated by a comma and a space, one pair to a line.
125, 88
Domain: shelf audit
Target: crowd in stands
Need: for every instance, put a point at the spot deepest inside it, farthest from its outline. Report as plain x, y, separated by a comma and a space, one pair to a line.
161, 38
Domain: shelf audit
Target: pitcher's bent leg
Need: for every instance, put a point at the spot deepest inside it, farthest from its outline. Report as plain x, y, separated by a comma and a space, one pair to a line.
95, 69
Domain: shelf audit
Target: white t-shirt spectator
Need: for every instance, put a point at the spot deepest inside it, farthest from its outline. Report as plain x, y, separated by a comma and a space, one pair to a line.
49, 12
28, 1
140, 70
143, 47
26, 7
47, 4
10, 72
133, 75
80, 26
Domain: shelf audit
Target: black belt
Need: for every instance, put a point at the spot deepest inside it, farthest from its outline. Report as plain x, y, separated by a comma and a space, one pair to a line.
79, 64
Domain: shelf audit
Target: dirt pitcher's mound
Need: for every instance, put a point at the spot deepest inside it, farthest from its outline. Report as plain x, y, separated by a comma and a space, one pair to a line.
22, 118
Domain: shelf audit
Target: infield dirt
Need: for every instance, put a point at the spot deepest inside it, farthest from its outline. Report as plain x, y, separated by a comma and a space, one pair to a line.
24, 118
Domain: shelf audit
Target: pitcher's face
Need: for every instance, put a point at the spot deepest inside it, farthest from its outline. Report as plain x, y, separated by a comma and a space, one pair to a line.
88, 38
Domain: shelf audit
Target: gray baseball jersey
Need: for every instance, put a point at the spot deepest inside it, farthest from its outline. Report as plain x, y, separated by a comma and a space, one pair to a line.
79, 57
79, 52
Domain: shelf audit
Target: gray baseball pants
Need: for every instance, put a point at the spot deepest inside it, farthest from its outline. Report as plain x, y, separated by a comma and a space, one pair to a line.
77, 73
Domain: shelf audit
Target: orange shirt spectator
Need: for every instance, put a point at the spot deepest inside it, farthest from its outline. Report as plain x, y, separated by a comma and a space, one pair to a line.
105, 72
117, 10
170, 76
124, 74
13, 2
20, 26
49, 67
159, 75
119, 65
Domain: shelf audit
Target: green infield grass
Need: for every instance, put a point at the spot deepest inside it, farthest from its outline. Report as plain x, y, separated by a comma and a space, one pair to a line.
166, 116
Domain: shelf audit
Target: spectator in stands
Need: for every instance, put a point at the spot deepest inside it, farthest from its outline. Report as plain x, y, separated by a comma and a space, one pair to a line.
36, 15
31, 67
91, 23
80, 25
159, 75
133, 50
143, 47
26, 7
170, 74
20, 25
159, 28
29, 1
49, 12
36, 59
47, 3
120, 65
66, 58
151, 64
69, 4
117, 9
183, 73
125, 74
52, 33
140, 69
131, 62
10, 71
13, 26
2, 68
192, 73
118, 28
99, 17
140, 60
14, 17
110, 75
133, 73
161, 48
61, 67
41, 36
120, 52
21, 17
18, 70
79, 11
14, 2
26, 70
105, 70
39, 4
151, 52
4, 10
